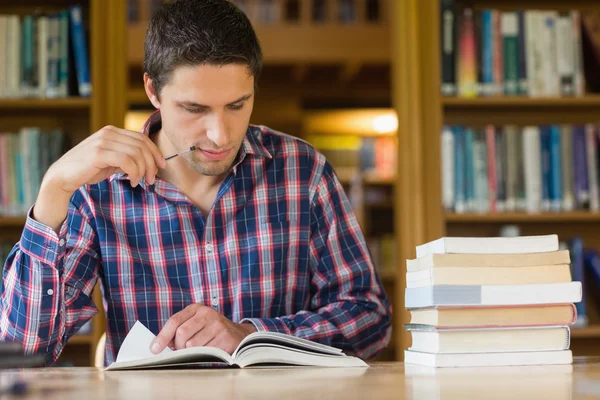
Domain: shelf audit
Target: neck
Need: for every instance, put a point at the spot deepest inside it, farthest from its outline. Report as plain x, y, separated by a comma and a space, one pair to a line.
181, 174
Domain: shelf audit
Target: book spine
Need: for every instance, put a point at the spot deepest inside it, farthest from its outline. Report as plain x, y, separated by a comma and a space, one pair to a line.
510, 34
533, 54
448, 43
522, 55
592, 166
512, 142
469, 169
487, 49
490, 139
447, 168
582, 194
565, 54
546, 177
568, 177
467, 56
460, 170
501, 161
577, 53
556, 189
532, 169
80, 52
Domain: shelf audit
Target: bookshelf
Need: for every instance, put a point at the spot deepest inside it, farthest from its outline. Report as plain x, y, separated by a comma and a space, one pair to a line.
436, 110
76, 116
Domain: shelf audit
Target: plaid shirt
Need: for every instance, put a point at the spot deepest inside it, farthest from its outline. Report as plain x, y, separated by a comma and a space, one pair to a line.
280, 248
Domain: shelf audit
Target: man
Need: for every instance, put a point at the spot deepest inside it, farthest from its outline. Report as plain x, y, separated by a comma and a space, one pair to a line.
250, 231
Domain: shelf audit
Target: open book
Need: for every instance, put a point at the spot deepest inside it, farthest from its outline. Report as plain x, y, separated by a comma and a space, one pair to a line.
257, 349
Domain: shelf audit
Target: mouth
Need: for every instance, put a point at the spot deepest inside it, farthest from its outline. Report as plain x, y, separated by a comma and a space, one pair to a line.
215, 154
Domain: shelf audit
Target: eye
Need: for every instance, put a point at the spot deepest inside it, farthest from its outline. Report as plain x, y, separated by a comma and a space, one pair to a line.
236, 106
193, 110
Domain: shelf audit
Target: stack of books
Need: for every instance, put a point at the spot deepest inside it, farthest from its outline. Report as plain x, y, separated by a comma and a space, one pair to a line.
493, 301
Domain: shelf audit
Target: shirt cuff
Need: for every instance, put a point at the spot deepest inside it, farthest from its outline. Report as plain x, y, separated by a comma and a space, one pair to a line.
41, 242
268, 324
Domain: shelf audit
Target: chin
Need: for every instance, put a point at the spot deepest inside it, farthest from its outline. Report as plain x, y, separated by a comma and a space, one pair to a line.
212, 168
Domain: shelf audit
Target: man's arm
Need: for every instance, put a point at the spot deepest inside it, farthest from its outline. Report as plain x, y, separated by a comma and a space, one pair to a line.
349, 308
47, 283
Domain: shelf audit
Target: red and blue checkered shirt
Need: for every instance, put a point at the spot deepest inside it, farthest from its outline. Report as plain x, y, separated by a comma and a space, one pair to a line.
280, 248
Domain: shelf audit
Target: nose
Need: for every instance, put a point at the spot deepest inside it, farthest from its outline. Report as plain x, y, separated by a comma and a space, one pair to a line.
216, 130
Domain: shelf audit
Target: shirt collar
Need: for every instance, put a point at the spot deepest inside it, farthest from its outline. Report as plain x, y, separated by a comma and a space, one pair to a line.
252, 143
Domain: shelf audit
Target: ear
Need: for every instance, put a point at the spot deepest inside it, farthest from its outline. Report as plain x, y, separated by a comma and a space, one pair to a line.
150, 91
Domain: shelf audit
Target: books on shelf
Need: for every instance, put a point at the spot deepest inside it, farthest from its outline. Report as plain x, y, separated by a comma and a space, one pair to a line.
256, 349
24, 158
44, 55
548, 168
475, 317
352, 154
490, 52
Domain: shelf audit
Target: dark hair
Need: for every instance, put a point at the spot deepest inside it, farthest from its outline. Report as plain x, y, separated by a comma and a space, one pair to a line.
194, 32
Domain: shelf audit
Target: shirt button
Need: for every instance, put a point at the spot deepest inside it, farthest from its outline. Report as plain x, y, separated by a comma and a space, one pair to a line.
50, 292
61, 242
214, 302
209, 248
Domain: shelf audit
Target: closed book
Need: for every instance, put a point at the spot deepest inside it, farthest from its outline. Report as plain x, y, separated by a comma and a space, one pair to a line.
491, 295
489, 260
430, 339
489, 275
490, 245
518, 358
496, 316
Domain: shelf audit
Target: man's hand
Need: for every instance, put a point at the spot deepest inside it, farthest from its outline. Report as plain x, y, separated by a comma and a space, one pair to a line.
110, 150
199, 325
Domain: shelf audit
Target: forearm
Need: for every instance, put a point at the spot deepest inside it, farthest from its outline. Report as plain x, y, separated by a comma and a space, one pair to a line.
52, 205
29, 304
39, 307
347, 325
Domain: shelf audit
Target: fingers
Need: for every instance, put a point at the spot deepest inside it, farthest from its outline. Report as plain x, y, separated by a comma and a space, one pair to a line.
204, 336
140, 147
154, 151
168, 331
190, 328
142, 157
108, 157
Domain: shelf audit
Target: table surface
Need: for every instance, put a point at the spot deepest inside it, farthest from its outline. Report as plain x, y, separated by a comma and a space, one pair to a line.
380, 381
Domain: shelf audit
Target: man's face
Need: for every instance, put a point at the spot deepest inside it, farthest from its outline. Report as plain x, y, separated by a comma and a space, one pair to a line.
209, 107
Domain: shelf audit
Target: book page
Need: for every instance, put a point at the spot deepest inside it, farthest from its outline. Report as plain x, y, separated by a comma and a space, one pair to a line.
136, 345
135, 353
267, 338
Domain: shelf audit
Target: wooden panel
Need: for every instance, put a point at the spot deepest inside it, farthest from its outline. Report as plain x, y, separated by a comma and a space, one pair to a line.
521, 217
430, 65
70, 103
98, 64
116, 52
503, 115
560, 5
549, 103
409, 188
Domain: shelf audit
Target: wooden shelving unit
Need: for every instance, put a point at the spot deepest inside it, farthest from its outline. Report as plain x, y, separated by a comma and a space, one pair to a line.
70, 103
12, 222
434, 111
511, 217
591, 100
78, 117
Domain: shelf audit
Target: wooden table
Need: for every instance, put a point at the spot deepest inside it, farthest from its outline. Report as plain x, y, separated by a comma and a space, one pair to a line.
381, 381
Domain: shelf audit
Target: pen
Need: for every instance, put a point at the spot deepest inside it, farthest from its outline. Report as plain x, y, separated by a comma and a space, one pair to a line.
192, 148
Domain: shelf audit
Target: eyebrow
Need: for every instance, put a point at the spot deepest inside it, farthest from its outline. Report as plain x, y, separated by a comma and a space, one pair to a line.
193, 104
